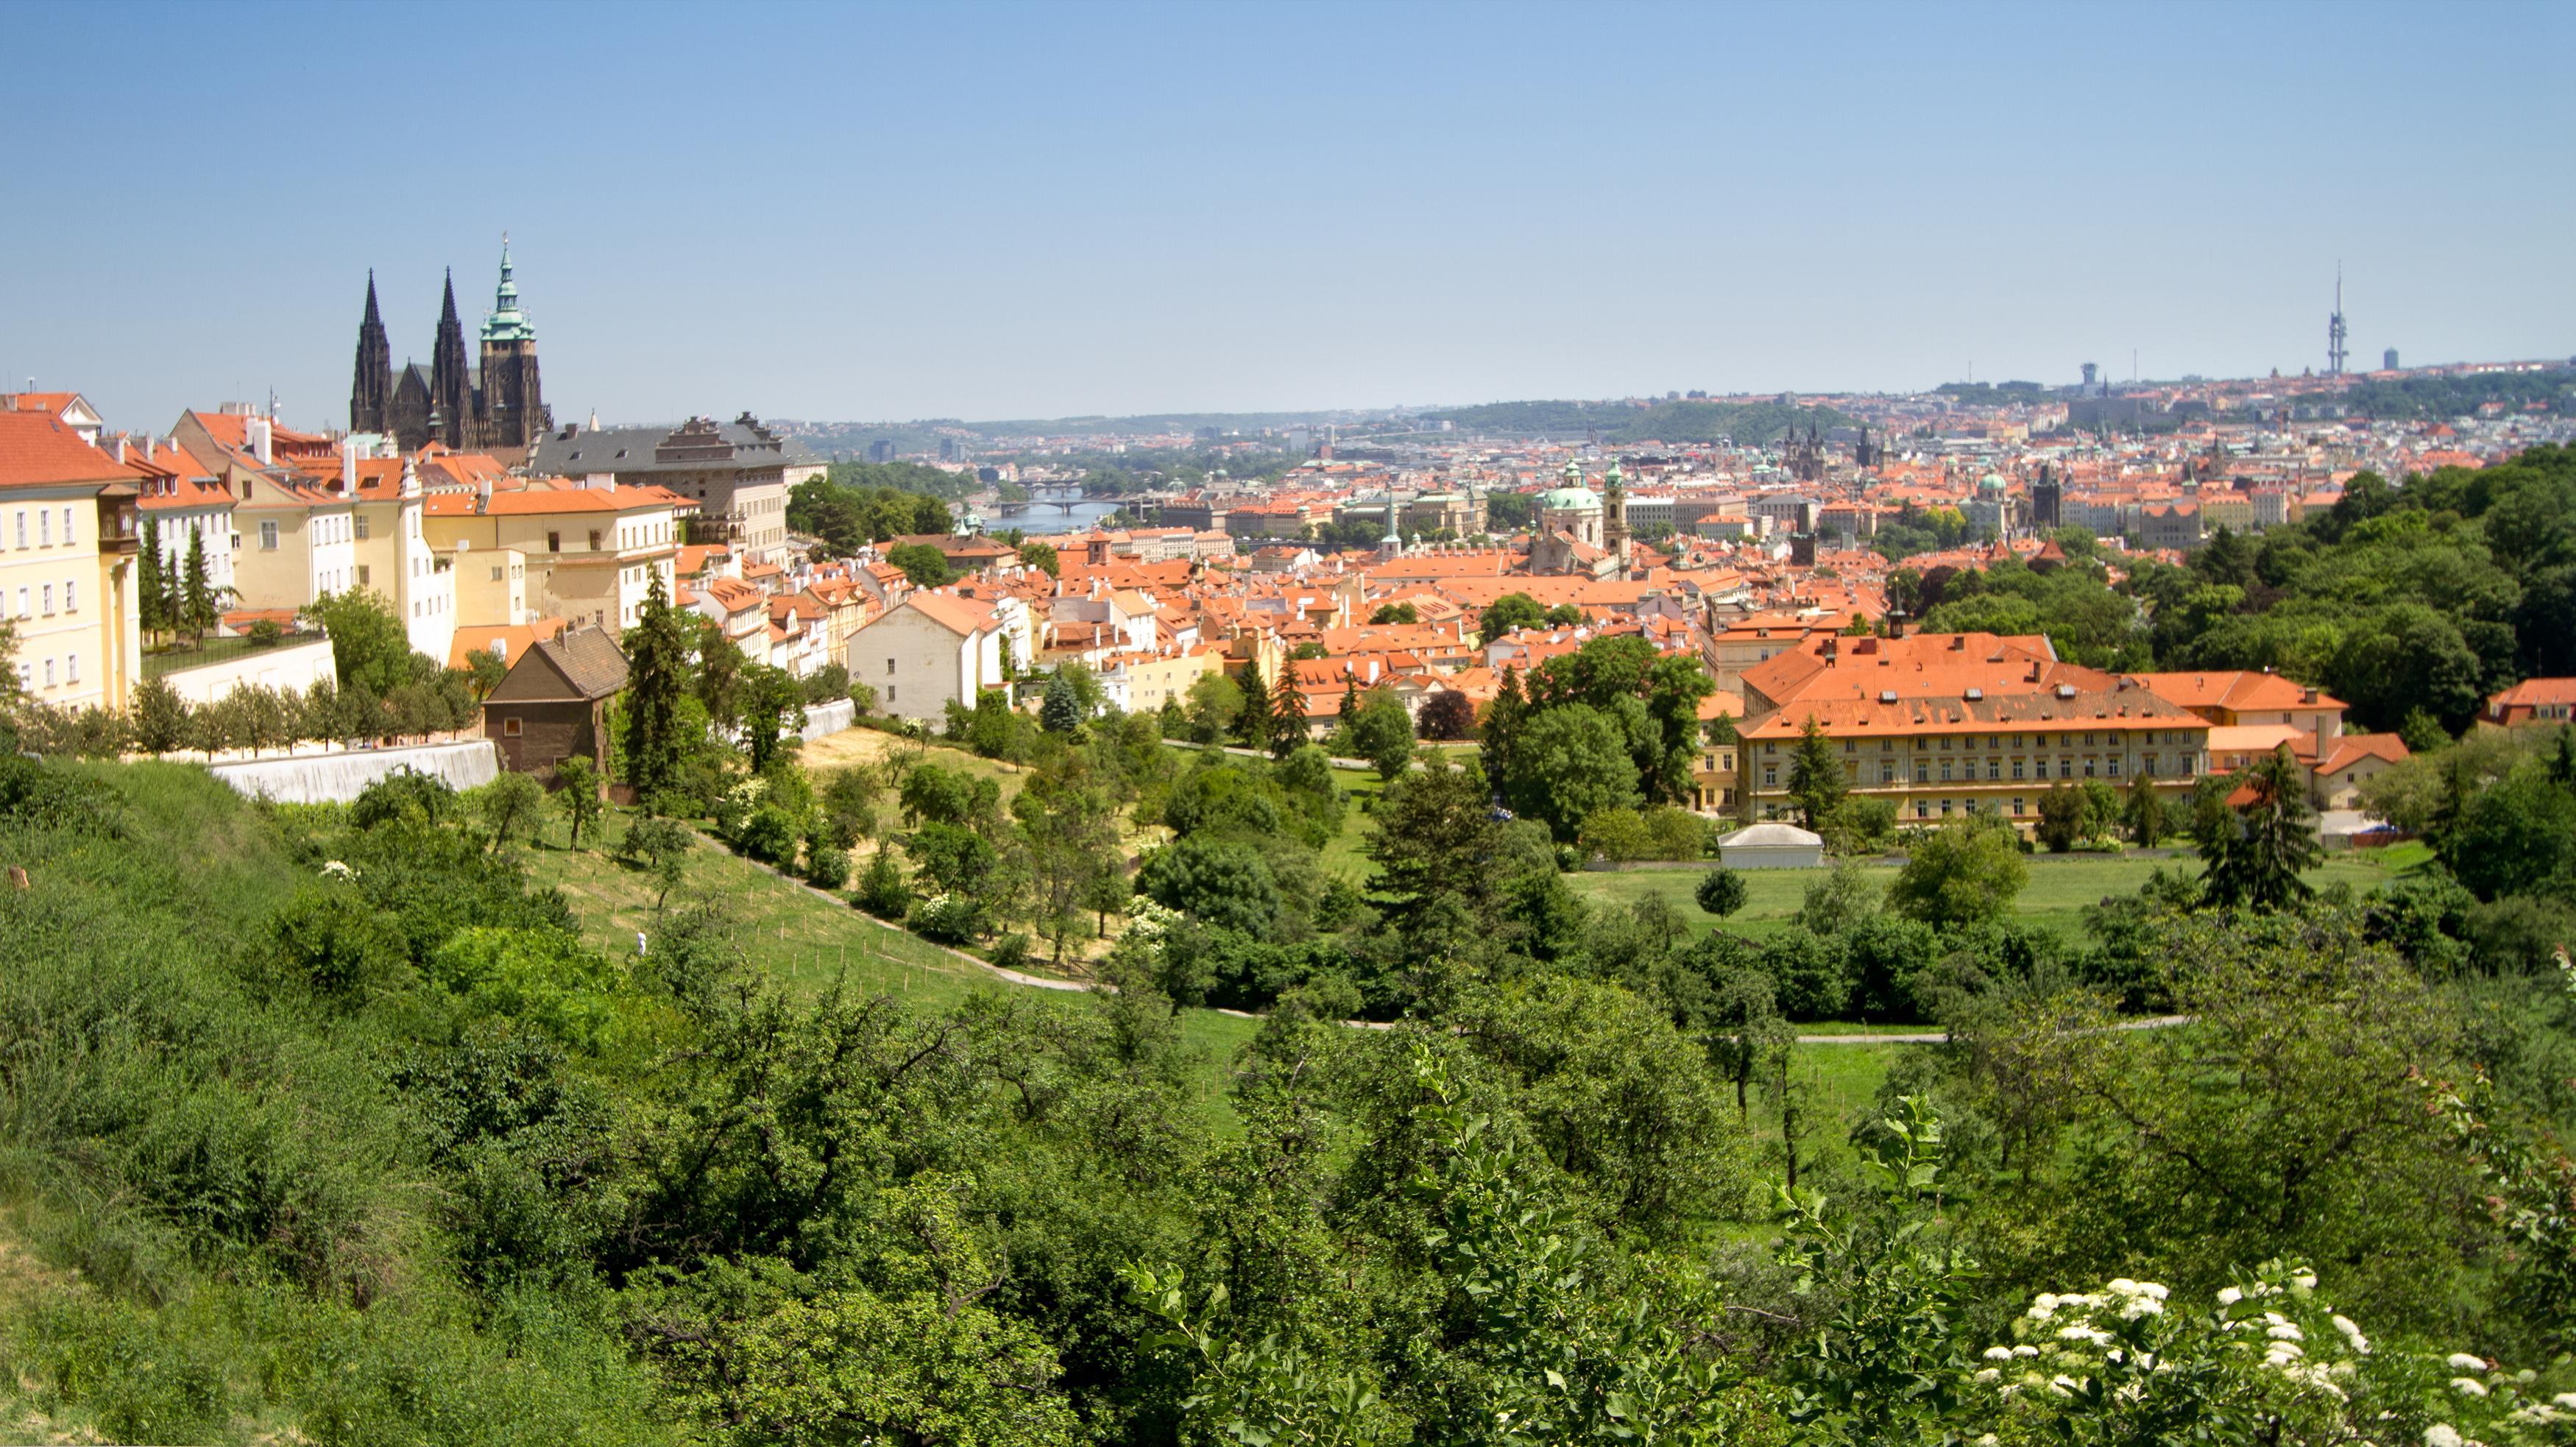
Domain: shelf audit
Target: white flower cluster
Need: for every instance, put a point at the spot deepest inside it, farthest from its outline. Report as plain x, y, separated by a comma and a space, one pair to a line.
1147, 920
749, 792
2089, 1331
334, 869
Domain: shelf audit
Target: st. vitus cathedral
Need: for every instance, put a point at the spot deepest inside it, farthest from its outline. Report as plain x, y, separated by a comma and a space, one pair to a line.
498, 407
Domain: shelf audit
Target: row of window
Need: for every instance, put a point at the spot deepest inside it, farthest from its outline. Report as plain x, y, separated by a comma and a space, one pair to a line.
43, 535
29, 600
28, 673
1993, 742
1952, 772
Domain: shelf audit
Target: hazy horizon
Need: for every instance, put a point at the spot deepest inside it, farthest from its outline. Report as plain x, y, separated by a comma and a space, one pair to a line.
1008, 212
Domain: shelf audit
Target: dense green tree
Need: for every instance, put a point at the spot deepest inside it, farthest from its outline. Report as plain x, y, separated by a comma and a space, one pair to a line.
2254, 856
1966, 872
1041, 556
1396, 613
1382, 733
1215, 702
1288, 730
577, 785
657, 679
1509, 613
1566, 763
1816, 787
160, 716
369, 649
1061, 711
922, 564
1720, 892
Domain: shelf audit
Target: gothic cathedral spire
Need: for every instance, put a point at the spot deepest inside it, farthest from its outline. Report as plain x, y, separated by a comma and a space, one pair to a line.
371, 387
451, 387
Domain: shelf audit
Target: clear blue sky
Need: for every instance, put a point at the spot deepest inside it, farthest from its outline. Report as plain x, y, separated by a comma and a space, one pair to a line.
871, 212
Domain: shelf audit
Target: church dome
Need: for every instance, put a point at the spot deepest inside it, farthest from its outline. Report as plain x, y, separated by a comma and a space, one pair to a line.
1991, 482
1569, 499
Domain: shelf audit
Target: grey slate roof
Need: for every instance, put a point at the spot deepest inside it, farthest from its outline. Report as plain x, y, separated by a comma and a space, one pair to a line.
630, 449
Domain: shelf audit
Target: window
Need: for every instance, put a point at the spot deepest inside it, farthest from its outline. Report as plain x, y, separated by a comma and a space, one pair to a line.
2147, 765
1886, 771
1994, 768
22, 527
49, 673
268, 537
2088, 766
1945, 771
45, 539
67, 526
22, 604
363, 571
510, 728
361, 525
2114, 768
2016, 806
554, 542
594, 540
49, 600
889, 666
1922, 810
1945, 808
71, 596
889, 693
71, 668
2066, 768
496, 572
1770, 778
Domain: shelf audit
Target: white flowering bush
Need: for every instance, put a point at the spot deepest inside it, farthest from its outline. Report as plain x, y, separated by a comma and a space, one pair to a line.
949, 918
1148, 922
2267, 1360
338, 871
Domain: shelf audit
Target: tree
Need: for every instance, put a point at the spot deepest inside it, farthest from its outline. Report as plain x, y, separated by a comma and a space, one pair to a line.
1061, 713
1815, 777
577, 793
882, 891
1396, 613
369, 648
152, 582
1215, 701
1040, 556
1720, 892
773, 709
1447, 714
508, 801
1568, 762
2256, 854
2063, 815
1252, 726
1288, 729
924, 565
1383, 733
200, 601
662, 846
2143, 811
160, 716
1503, 719
720, 669
1966, 873
1509, 613
657, 679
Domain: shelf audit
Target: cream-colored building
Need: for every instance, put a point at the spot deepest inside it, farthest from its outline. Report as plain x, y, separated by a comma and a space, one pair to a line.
583, 554
68, 553
1143, 683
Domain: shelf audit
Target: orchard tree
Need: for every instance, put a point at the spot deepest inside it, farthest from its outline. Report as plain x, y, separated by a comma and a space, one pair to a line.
1720, 892
1966, 873
577, 792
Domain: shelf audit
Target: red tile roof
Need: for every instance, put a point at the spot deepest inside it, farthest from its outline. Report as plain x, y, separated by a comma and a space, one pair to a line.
37, 450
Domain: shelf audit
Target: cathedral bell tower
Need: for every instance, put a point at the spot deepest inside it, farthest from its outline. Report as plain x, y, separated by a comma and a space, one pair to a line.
510, 406
371, 388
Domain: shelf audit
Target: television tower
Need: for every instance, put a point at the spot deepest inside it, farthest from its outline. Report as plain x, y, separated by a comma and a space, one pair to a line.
2335, 349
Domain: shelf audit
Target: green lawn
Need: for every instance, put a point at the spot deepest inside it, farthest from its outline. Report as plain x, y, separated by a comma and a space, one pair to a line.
2059, 888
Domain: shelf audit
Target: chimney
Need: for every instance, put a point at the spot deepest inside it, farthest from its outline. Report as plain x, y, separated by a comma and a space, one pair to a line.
348, 468
411, 477
483, 494
260, 446
120, 447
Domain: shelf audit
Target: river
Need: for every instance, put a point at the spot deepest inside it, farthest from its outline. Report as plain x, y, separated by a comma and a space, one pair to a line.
1049, 511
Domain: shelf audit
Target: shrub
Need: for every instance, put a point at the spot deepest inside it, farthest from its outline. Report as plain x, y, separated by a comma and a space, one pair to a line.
948, 918
330, 939
826, 868
1617, 833
882, 891
769, 835
1011, 951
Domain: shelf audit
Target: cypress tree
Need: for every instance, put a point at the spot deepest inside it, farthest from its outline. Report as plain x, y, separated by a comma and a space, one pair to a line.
657, 663
1253, 724
1287, 715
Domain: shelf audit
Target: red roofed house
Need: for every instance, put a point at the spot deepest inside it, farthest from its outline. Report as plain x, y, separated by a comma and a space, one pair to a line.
2534, 700
68, 551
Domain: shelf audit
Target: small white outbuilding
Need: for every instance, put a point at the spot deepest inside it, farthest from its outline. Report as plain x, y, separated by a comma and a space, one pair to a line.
1771, 846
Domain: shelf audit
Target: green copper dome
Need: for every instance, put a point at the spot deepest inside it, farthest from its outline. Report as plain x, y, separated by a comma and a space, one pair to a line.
507, 323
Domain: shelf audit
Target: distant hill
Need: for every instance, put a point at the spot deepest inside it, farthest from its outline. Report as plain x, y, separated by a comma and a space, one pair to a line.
1751, 422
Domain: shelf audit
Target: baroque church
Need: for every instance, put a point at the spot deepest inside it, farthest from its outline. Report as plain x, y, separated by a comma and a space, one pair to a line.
497, 408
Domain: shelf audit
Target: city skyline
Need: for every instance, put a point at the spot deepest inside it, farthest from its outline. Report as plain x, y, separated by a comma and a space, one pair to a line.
1021, 213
